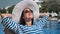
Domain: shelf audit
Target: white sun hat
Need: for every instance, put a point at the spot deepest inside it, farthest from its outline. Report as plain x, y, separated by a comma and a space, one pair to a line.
16, 14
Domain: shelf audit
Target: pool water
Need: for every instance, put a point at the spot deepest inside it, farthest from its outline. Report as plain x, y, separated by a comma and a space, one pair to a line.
53, 27
1, 29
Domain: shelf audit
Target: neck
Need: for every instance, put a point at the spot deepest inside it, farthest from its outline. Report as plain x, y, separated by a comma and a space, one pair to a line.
29, 23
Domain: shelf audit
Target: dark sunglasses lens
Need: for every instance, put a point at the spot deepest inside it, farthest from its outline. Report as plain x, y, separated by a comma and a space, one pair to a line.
26, 11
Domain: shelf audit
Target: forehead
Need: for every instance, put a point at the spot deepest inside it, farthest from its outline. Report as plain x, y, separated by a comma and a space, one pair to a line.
27, 9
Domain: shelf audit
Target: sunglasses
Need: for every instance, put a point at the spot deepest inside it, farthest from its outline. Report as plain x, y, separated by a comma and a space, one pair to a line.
27, 11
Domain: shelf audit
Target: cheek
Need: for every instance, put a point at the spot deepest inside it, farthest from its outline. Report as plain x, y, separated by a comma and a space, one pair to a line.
25, 15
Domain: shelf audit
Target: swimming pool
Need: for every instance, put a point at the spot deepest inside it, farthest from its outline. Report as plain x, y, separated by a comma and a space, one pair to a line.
53, 27
1, 27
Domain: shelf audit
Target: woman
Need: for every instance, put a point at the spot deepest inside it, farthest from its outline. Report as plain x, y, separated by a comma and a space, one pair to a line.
26, 26
28, 23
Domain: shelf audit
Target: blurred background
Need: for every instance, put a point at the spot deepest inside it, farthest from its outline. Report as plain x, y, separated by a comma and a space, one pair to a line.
50, 7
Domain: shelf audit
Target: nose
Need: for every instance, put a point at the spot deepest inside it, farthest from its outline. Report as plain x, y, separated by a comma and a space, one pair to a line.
30, 14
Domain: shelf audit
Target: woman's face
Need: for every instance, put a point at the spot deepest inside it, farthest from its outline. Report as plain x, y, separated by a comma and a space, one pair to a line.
28, 14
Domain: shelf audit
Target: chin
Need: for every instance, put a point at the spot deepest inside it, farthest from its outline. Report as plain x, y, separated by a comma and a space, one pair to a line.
30, 18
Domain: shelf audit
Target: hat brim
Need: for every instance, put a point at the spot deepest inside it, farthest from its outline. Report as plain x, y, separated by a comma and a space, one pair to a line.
16, 14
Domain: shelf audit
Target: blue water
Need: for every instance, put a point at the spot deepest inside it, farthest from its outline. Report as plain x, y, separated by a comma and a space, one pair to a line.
1, 27
53, 27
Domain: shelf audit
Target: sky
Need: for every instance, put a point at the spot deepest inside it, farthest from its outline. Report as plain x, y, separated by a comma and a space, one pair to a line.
5, 3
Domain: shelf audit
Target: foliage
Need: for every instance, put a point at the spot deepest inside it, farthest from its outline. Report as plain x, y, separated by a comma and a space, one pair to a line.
3, 10
50, 6
10, 9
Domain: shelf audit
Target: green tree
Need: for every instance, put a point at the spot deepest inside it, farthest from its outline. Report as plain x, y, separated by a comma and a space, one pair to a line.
10, 9
3, 10
44, 6
50, 6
